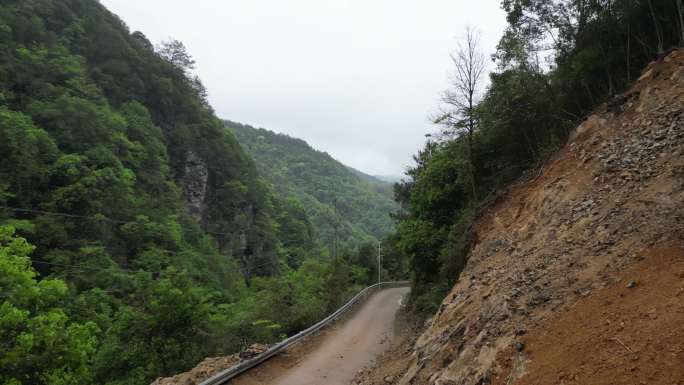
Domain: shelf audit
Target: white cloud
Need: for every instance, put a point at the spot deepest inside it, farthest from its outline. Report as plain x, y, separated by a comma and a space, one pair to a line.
355, 78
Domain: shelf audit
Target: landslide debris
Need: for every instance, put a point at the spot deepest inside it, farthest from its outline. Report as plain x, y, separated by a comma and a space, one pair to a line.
201, 372
575, 276
620, 335
212, 366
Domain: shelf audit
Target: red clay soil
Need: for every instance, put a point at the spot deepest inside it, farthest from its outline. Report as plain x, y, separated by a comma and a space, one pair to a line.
631, 332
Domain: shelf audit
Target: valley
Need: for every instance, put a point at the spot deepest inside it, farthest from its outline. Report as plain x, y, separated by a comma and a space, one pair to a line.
525, 224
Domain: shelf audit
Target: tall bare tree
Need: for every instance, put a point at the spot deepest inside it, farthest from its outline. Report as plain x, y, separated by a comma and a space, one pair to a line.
656, 25
458, 114
680, 11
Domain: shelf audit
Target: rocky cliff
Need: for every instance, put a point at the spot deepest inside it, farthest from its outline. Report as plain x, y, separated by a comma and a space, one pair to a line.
576, 276
194, 184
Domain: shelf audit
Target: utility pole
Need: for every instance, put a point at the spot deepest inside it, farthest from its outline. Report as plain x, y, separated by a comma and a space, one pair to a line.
335, 225
379, 259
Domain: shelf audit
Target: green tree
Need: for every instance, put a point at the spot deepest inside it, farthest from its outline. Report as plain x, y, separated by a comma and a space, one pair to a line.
41, 343
174, 52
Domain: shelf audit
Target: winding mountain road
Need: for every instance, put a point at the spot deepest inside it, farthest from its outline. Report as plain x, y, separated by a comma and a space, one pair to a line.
341, 352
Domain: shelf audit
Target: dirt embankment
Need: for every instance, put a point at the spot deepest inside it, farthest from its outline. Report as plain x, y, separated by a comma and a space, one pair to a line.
577, 276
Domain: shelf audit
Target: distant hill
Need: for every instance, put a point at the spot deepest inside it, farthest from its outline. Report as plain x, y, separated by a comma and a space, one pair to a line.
316, 180
383, 180
383, 186
390, 178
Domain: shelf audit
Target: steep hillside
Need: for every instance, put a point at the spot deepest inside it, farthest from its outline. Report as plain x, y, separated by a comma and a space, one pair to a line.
108, 113
131, 221
316, 180
575, 275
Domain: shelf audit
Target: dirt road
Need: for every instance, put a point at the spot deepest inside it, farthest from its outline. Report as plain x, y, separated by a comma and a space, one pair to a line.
342, 352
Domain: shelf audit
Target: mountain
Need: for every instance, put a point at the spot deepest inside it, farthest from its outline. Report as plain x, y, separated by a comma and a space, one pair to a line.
316, 180
114, 167
390, 178
381, 185
136, 235
118, 130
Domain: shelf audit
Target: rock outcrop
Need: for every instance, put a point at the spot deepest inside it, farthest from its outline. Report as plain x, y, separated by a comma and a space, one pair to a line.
194, 184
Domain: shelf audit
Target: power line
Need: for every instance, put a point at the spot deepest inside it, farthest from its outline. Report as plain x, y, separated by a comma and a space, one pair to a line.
123, 270
379, 260
83, 267
250, 268
34, 211
335, 226
89, 217
245, 271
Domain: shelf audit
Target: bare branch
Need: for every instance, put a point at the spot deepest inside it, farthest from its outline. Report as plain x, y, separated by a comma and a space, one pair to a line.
457, 115
465, 88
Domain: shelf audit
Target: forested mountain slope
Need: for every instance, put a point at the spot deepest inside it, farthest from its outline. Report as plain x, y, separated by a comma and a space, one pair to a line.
317, 181
104, 144
136, 235
115, 129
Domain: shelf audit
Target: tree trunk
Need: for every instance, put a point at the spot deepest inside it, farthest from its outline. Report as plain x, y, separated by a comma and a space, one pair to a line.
471, 131
659, 33
680, 10
629, 33
530, 147
471, 165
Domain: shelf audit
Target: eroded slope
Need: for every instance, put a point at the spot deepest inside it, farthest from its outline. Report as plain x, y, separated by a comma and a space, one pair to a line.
610, 203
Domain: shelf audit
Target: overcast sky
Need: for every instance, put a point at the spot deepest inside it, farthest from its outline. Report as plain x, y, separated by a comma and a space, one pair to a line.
355, 78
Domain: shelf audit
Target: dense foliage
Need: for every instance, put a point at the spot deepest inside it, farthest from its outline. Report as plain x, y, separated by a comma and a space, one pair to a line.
106, 276
556, 61
320, 183
41, 342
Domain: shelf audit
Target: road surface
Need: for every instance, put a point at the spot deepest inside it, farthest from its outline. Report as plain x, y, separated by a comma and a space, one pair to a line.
343, 351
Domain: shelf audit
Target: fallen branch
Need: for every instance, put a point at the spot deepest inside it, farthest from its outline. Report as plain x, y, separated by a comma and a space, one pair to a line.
623, 345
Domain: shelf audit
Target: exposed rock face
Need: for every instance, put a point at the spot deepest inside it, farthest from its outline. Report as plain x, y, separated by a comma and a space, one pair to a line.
603, 205
194, 184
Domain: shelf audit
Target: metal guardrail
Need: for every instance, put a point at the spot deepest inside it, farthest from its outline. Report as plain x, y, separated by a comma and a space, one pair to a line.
232, 372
